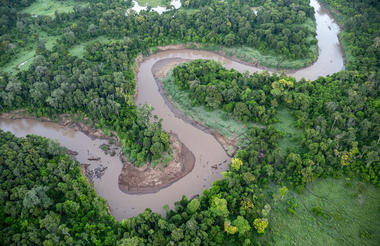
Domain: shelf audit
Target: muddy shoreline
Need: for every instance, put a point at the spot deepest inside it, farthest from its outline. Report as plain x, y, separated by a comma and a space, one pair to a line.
190, 46
159, 71
64, 120
133, 180
180, 167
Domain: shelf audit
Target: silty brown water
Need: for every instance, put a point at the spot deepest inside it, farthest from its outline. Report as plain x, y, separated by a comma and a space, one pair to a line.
124, 205
204, 146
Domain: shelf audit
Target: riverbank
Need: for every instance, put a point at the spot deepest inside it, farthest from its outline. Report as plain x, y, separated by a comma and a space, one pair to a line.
132, 180
160, 71
64, 120
210, 157
146, 179
227, 53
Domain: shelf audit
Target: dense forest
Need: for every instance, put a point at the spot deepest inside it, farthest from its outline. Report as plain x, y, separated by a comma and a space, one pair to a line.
50, 86
98, 87
339, 115
278, 28
44, 198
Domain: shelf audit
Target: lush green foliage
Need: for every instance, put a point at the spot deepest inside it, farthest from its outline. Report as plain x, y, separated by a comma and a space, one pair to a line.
51, 87
246, 98
214, 119
278, 27
45, 200
48, 85
339, 116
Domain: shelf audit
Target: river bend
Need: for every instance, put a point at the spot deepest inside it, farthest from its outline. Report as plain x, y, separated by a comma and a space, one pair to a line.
206, 149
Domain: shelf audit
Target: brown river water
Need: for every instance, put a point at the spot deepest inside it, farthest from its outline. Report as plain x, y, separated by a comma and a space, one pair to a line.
204, 146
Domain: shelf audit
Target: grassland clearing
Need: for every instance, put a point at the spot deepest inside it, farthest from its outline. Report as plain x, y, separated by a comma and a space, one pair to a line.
49, 7
79, 49
153, 3
286, 123
329, 212
25, 56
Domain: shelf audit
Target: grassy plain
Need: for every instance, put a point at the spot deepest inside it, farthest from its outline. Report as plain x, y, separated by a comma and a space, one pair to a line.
49, 7
79, 49
21, 61
153, 3
25, 56
329, 212
286, 123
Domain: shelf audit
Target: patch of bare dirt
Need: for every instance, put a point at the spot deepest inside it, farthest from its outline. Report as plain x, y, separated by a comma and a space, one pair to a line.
146, 179
164, 66
139, 59
179, 46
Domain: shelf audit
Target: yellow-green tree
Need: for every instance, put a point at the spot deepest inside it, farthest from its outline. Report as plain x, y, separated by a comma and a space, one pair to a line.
236, 163
230, 229
260, 225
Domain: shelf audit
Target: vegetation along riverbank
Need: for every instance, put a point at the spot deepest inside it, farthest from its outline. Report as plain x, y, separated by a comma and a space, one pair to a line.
305, 167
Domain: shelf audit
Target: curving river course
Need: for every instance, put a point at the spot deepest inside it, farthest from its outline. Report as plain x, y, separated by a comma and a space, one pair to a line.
204, 146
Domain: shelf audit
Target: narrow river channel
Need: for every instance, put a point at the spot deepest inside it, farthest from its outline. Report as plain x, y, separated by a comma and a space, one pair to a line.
204, 146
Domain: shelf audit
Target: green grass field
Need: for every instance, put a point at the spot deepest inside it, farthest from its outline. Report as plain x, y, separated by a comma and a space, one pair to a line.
153, 3
79, 49
188, 10
25, 56
286, 123
345, 213
21, 61
48, 7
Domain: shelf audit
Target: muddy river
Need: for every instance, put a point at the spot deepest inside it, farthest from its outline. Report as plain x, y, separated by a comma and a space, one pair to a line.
204, 146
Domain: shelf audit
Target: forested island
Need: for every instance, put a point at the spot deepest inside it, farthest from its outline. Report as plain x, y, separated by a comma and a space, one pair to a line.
299, 157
